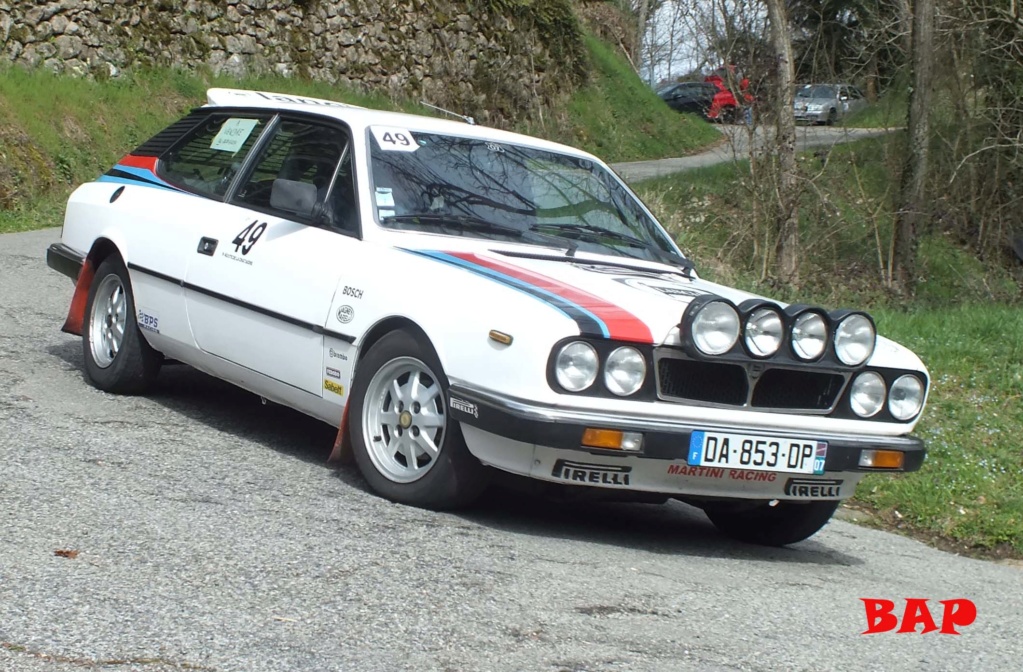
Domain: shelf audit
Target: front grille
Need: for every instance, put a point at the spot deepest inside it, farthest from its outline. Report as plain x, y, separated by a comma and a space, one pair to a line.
709, 382
789, 389
730, 384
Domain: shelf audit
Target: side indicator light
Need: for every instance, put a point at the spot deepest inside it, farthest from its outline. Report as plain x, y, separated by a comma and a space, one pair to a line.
500, 337
882, 459
612, 439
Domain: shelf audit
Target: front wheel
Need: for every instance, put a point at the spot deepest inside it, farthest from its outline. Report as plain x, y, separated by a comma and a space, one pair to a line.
405, 445
784, 523
117, 357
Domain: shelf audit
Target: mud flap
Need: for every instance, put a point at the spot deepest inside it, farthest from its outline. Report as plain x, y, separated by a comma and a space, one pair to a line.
75, 321
342, 452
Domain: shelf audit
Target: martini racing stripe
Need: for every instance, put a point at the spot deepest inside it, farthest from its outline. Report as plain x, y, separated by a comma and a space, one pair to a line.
588, 323
617, 322
136, 170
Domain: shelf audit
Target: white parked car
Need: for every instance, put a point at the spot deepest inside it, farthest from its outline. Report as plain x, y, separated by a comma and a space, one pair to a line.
459, 300
827, 103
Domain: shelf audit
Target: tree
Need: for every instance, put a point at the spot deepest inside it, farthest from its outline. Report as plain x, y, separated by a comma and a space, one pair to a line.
912, 204
787, 215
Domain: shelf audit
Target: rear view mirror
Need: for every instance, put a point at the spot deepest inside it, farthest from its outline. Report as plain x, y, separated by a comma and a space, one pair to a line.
293, 196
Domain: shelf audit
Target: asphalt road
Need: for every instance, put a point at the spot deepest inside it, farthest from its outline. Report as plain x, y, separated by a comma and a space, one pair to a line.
735, 143
211, 535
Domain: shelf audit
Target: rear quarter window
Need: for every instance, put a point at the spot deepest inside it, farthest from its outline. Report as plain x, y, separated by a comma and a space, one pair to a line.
209, 157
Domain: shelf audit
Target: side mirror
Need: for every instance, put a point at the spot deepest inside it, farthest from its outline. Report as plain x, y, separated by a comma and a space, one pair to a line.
293, 196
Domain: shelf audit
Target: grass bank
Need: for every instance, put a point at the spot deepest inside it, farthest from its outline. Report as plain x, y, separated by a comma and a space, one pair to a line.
57, 132
965, 324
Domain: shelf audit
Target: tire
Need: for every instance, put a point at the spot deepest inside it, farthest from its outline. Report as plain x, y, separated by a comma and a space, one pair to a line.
127, 366
395, 431
779, 525
832, 117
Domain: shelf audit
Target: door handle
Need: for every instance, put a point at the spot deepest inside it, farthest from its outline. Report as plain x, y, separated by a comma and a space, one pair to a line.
207, 246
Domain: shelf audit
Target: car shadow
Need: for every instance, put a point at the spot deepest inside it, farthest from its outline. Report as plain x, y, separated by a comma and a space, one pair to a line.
672, 528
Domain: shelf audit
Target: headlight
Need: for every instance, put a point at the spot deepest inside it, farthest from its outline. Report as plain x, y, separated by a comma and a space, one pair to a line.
814, 107
906, 398
854, 339
764, 332
809, 335
715, 328
576, 366
625, 371
867, 394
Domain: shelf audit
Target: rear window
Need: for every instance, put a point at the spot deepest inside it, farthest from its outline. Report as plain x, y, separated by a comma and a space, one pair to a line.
212, 154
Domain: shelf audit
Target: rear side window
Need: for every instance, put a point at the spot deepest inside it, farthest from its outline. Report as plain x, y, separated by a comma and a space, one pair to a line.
212, 154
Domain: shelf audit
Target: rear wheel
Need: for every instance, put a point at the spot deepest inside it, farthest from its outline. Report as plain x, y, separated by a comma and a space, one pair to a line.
406, 447
117, 357
778, 525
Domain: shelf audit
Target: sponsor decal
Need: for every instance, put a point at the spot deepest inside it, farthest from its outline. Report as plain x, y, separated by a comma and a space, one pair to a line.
814, 488
148, 320
591, 474
721, 472
331, 386
881, 617
334, 354
353, 292
233, 257
334, 373
345, 314
674, 290
465, 407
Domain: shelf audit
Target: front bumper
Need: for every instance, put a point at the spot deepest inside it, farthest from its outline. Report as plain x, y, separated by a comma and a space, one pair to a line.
537, 439
62, 258
811, 116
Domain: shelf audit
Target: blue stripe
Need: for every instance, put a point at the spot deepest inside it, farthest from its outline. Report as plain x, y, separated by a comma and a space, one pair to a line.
589, 323
132, 182
140, 172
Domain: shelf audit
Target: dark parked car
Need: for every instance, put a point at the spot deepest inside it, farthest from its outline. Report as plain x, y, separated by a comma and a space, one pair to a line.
694, 97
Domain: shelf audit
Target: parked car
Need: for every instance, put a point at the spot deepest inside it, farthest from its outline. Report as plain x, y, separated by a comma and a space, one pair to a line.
692, 97
827, 103
459, 300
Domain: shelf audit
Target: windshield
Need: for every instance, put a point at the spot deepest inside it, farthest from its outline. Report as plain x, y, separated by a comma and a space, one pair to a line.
816, 92
482, 189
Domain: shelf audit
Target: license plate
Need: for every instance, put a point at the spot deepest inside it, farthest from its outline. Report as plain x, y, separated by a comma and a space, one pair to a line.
761, 453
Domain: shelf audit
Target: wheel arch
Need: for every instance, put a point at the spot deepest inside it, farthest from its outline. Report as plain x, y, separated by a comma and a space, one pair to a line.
386, 326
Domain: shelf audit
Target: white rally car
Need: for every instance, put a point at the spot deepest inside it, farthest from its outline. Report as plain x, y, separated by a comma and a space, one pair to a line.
459, 300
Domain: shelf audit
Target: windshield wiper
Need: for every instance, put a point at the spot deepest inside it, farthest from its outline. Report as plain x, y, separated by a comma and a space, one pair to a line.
478, 224
599, 233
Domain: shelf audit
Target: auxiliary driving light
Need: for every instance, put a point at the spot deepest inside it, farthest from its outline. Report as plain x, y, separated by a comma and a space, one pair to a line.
809, 335
855, 339
715, 327
764, 332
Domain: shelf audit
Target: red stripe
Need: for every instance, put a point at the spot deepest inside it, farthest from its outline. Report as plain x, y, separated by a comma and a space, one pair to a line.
621, 324
143, 162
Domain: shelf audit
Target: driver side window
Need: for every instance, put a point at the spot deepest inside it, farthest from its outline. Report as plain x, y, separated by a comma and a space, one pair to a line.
296, 170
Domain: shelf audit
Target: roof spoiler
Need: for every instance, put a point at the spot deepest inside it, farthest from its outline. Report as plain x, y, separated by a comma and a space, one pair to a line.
243, 97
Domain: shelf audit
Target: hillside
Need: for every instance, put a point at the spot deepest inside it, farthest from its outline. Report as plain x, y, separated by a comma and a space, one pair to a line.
59, 131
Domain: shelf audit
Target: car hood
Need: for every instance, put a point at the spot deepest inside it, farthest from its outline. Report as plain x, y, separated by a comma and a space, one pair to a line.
617, 298
610, 297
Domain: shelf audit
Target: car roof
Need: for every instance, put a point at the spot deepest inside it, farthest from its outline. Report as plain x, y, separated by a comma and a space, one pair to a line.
363, 117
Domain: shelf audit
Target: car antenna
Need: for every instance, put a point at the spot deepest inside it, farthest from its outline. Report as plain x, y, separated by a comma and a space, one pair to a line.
466, 119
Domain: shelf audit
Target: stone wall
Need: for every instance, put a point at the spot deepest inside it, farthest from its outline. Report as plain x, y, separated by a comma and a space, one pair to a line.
496, 59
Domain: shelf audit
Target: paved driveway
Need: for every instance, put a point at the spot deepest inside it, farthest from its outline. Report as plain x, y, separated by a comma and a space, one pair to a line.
734, 145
